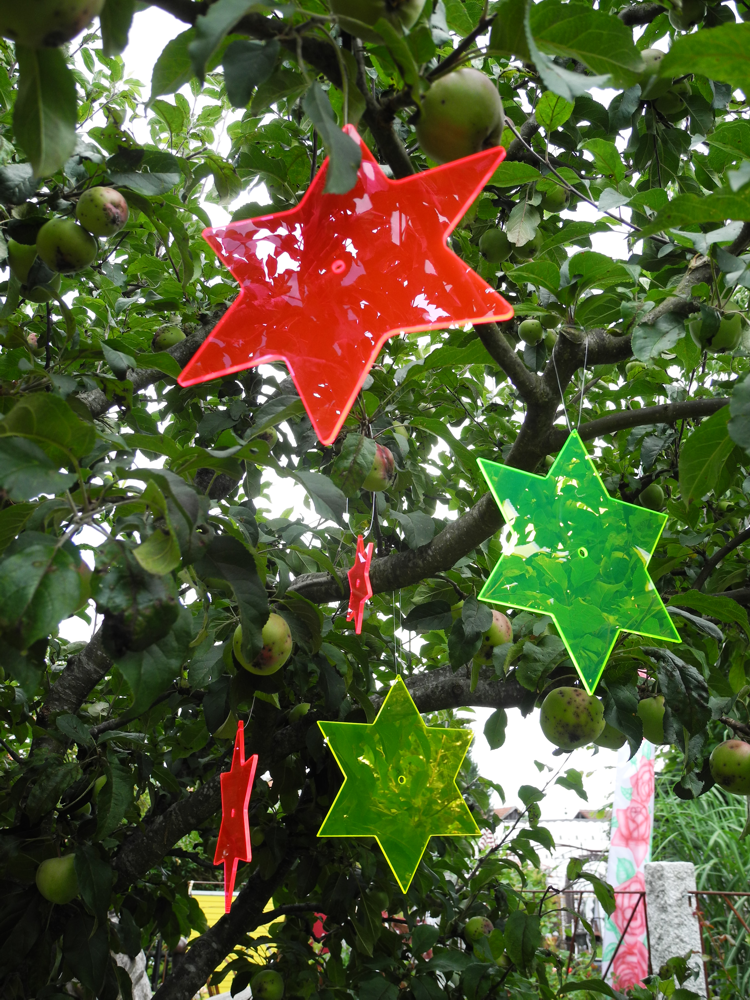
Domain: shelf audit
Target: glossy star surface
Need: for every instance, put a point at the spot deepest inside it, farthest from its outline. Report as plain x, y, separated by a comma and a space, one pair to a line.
325, 284
399, 782
573, 552
233, 844
360, 588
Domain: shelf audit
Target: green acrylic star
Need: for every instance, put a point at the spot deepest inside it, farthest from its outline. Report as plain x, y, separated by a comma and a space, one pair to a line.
573, 552
399, 782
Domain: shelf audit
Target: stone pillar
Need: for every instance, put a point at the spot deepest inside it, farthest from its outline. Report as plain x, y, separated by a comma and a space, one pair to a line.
672, 924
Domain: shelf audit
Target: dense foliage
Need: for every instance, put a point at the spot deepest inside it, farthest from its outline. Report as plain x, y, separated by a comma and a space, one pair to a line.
106, 462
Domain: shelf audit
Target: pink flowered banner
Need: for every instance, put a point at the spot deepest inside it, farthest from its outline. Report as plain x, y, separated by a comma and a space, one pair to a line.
630, 849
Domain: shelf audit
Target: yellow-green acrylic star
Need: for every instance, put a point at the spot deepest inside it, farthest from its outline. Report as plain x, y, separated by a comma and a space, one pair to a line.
399, 782
573, 552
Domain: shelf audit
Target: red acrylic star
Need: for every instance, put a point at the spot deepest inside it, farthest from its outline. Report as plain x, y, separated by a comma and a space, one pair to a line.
360, 588
325, 284
233, 844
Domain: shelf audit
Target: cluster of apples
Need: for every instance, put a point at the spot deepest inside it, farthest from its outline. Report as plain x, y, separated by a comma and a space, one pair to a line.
65, 245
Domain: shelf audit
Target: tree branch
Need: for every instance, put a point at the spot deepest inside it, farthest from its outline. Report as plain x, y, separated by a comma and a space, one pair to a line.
666, 413
641, 13
506, 359
717, 557
211, 948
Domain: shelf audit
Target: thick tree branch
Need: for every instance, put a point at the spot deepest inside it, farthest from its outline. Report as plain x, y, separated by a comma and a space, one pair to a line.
211, 948
506, 358
717, 557
666, 413
641, 13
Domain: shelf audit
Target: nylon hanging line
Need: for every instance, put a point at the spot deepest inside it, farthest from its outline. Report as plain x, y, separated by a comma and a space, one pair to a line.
395, 638
562, 396
372, 518
583, 383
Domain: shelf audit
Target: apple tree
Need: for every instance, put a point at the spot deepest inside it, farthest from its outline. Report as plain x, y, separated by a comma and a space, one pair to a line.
617, 226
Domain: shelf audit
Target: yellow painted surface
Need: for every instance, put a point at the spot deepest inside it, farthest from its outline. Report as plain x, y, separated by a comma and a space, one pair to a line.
212, 904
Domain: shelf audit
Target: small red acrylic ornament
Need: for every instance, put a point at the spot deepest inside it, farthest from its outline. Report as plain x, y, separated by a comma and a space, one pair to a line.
325, 284
233, 844
360, 588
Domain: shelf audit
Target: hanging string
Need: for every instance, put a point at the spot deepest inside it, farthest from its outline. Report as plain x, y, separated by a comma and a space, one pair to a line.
372, 518
562, 396
583, 383
396, 668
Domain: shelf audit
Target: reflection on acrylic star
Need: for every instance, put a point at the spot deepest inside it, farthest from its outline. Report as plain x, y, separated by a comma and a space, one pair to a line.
399, 782
360, 589
325, 284
573, 552
233, 844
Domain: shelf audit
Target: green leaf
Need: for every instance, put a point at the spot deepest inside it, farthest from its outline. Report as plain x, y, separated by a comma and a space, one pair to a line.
721, 53
592, 985
377, 989
211, 28
423, 938
344, 153
160, 360
25, 472
247, 64
48, 786
401, 54
86, 951
327, 498
522, 937
685, 691
650, 341
429, 617
552, 111
40, 586
522, 223
462, 646
508, 37
560, 81
226, 558
713, 605
151, 670
607, 158
739, 410
52, 424
74, 729
45, 115
119, 362
477, 617
160, 553
573, 781
173, 69
603, 892
540, 273
703, 456
594, 37
696, 209
494, 728
14, 517
115, 20
513, 174
95, 880
418, 527
115, 797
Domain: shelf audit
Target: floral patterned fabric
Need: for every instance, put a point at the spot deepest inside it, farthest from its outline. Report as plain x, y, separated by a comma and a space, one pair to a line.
630, 849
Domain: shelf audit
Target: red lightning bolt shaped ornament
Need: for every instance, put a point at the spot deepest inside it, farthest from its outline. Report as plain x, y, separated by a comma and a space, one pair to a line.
233, 844
325, 284
360, 589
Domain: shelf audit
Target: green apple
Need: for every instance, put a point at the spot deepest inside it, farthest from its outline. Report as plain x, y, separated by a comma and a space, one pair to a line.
267, 985
610, 738
672, 104
477, 928
21, 256
495, 246
531, 247
65, 246
499, 632
102, 211
531, 331
166, 337
730, 766
687, 14
727, 337
46, 23
652, 498
352, 15
570, 718
56, 879
383, 472
100, 782
276, 650
299, 711
651, 713
461, 114
653, 86
555, 200
550, 339
42, 293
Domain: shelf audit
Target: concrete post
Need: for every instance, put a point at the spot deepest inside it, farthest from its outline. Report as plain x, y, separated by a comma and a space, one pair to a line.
672, 923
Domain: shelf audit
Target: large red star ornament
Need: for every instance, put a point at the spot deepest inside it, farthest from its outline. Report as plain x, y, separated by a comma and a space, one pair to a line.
325, 284
233, 844
360, 588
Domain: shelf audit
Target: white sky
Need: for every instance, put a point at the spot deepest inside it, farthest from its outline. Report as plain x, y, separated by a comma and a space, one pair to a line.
513, 764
